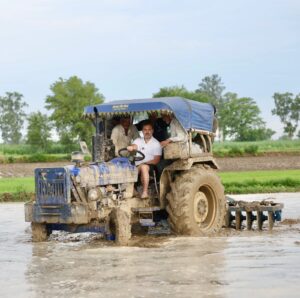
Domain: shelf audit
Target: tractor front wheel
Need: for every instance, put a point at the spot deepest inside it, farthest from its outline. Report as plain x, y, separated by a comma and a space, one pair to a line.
120, 226
39, 232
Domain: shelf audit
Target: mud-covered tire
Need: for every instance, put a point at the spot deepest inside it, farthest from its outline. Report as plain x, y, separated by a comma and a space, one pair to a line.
39, 232
196, 202
120, 226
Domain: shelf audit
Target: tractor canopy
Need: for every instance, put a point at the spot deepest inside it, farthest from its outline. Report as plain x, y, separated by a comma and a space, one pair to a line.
191, 114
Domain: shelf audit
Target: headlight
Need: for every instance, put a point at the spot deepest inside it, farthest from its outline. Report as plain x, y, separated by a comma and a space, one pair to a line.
94, 194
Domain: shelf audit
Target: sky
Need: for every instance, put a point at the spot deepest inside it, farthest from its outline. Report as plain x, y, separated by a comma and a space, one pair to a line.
130, 48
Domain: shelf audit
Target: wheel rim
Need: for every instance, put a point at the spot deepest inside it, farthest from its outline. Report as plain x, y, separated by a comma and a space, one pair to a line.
200, 207
204, 207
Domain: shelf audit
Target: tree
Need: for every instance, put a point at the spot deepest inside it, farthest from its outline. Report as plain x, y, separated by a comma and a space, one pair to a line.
38, 130
287, 108
180, 91
212, 87
241, 118
68, 99
257, 134
12, 117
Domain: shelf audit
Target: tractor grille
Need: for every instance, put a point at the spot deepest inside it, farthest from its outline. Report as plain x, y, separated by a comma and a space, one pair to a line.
52, 186
51, 189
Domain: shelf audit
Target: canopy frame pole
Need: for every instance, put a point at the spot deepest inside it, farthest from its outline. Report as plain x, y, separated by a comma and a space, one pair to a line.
203, 142
209, 143
190, 142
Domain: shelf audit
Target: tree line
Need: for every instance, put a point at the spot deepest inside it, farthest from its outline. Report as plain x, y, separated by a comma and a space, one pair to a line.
239, 118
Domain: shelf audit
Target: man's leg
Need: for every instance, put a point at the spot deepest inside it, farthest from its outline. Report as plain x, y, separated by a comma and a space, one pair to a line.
144, 171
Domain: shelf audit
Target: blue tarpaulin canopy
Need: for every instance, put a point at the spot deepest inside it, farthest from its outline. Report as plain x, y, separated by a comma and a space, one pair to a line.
191, 114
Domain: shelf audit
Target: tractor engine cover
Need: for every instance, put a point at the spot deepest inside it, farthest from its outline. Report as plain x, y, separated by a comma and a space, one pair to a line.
117, 171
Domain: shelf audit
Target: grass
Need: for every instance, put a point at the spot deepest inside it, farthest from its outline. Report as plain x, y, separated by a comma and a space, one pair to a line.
20, 189
14, 185
16, 189
58, 152
25, 149
222, 149
26, 153
261, 181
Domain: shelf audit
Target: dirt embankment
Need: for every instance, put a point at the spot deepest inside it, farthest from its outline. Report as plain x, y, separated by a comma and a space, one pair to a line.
252, 163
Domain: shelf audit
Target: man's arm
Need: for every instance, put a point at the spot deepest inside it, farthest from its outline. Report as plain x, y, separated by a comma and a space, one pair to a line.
165, 143
177, 134
154, 161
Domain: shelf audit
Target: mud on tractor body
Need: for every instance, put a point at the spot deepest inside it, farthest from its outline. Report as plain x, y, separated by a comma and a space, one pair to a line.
101, 196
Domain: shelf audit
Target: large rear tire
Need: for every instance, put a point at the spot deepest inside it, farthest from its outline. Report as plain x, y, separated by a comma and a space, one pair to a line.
120, 226
196, 202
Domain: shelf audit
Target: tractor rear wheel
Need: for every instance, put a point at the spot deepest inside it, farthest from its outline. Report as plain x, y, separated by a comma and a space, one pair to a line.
120, 226
196, 202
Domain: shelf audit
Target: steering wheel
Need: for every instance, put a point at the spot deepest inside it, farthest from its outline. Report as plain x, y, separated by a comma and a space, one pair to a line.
131, 155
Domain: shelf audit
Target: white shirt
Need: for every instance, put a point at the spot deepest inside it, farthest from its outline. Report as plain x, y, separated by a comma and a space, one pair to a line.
119, 138
150, 149
178, 134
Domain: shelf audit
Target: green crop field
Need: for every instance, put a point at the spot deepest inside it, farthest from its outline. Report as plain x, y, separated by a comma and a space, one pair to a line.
28, 154
261, 181
58, 152
14, 185
256, 148
234, 182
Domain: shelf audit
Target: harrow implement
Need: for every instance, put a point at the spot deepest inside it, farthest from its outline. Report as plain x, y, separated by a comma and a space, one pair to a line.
255, 211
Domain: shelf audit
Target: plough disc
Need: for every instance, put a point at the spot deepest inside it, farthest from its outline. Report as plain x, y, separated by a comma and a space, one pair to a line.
259, 211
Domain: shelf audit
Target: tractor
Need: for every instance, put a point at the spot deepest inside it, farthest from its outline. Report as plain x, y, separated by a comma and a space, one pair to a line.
102, 195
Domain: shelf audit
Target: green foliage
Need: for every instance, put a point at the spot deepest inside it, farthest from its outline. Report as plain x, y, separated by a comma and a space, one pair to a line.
252, 149
287, 108
240, 119
15, 185
11, 159
21, 196
36, 157
67, 101
39, 157
235, 151
222, 149
212, 88
12, 117
256, 134
25, 149
21, 189
181, 91
38, 130
261, 181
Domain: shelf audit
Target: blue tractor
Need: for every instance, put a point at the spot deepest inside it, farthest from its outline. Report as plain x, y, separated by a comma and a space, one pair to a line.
101, 195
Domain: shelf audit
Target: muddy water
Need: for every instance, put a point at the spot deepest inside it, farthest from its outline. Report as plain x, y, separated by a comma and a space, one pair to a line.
243, 264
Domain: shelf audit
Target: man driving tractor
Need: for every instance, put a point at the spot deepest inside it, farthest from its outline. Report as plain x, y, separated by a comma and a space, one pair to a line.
151, 148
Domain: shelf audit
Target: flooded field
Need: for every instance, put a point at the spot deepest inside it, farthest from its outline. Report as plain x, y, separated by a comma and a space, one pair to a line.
240, 264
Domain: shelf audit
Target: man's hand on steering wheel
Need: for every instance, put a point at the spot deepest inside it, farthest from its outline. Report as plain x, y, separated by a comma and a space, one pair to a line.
131, 153
131, 148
